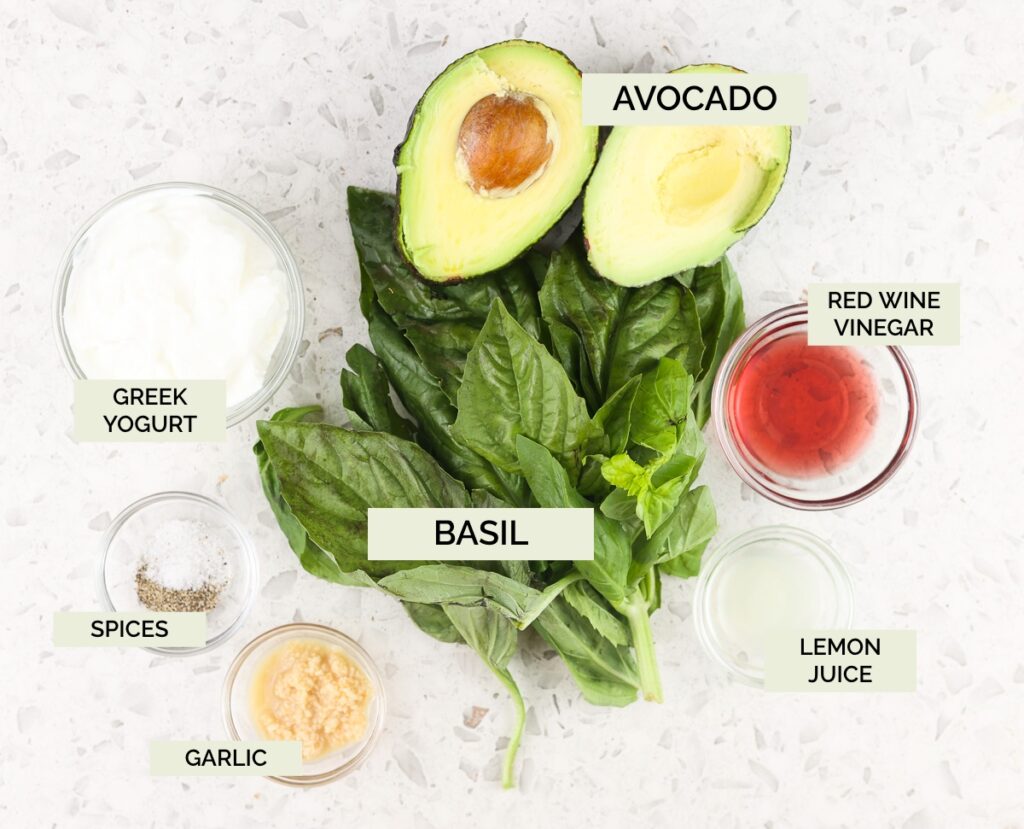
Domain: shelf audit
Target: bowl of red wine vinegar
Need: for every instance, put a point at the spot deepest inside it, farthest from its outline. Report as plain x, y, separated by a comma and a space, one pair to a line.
813, 427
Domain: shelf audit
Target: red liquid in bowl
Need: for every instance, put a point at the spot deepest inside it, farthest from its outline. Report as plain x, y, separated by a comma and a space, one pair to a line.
802, 411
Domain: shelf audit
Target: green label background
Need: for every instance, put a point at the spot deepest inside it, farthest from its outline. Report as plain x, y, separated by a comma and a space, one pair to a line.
600, 91
207, 400
167, 758
894, 669
184, 630
821, 329
554, 534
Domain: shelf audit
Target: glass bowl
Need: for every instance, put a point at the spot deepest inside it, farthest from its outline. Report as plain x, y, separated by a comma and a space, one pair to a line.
291, 337
238, 684
893, 417
798, 582
126, 538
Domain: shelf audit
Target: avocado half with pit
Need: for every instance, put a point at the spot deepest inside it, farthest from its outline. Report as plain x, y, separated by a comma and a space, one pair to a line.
664, 199
496, 152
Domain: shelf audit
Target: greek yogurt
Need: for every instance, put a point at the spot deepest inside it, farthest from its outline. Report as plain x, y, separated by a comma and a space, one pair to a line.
173, 285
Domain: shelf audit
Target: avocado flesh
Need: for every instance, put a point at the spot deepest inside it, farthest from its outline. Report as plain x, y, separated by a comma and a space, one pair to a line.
450, 229
667, 199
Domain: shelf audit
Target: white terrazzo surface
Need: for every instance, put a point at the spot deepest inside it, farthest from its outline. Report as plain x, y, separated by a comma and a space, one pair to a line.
910, 168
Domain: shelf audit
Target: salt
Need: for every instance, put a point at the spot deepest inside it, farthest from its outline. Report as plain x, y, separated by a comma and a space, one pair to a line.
186, 555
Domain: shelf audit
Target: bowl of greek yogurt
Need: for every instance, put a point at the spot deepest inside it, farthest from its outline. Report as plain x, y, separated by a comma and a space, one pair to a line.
181, 281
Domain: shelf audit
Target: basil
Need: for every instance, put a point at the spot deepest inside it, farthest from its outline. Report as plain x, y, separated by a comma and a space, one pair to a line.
542, 384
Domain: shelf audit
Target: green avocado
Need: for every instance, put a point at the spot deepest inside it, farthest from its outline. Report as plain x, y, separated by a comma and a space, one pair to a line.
664, 199
496, 152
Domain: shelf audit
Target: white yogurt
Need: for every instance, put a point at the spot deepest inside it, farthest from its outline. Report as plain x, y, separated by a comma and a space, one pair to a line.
171, 285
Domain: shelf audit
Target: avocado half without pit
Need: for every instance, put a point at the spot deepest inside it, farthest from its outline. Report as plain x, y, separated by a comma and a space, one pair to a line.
664, 199
496, 152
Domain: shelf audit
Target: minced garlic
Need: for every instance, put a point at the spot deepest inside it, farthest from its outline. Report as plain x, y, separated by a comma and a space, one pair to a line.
309, 690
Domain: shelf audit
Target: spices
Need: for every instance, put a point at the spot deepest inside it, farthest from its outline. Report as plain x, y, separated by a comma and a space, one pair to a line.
183, 569
309, 690
166, 600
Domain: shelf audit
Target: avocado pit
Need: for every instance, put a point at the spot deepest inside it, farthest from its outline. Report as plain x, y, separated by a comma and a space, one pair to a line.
505, 143
495, 155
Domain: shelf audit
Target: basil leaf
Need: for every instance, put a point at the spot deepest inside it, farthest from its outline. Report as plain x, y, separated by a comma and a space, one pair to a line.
541, 600
323, 565
615, 416
457, 584
655, 503
443, 329
591, 483
619, 506
567, 348
366, 395
433, 621
679, 542
651, 503
719, 301
547, 478
489, 634
666, 447
550, 485
658, 320
512, 386
586, 601
423, 399
604, 672
494, 639
497, 377
313, 559
517, 570
661, 406
293, 531
584, 308
440, 321
330, 476
610, 567
686, 458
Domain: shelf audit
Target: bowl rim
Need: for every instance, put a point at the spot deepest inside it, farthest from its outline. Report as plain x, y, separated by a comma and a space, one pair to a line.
291, 337
814, 544
251, 565
785, 317
296, 630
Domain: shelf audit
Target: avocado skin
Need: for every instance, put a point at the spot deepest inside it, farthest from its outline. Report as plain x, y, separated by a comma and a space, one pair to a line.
399, 240
775, 195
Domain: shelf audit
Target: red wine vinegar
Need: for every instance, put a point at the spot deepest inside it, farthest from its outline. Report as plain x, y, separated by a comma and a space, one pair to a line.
802, 411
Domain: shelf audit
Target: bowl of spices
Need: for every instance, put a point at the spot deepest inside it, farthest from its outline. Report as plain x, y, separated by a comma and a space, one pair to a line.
177, 552
309, 683
813, 427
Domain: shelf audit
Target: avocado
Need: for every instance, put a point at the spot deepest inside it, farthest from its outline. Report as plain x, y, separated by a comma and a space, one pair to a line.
496, 152
664, 199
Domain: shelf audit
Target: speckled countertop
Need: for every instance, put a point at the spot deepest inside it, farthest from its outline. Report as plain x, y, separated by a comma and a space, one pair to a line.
909, 168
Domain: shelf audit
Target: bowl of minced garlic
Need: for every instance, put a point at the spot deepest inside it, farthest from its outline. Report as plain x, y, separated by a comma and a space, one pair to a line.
312, 684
